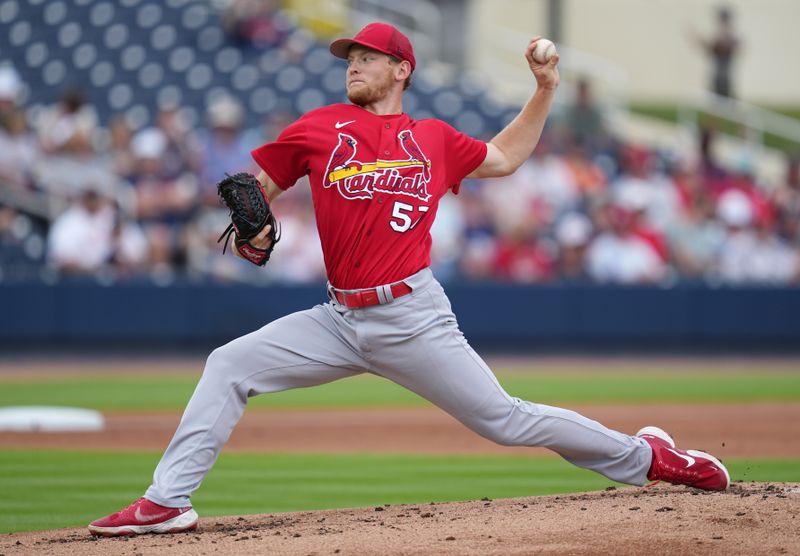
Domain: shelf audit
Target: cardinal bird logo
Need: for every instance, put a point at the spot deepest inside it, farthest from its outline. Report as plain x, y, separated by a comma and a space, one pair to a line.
343, 153
359, 180
412, 149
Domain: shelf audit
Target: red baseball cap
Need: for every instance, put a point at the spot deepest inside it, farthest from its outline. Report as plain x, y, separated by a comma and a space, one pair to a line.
381, 37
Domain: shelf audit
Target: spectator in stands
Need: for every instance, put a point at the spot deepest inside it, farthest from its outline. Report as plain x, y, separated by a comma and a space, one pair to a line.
589, 177
634, 203
642, 186
787, 207
223, 148
714, 174
479, 243
584, 118
786, 201
447, 233
181, 152
721, 49
119, 154
10, 87
620, 256
547, 177
573, 234
752, 256
738, 248
130, 249
524, 253
776, 261
164, 204
90, 238
19, 150
80, 239
695, 238
69, 126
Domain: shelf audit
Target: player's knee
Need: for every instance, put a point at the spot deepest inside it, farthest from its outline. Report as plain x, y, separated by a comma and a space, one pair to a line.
494, 430
504, 437
510, 429
218, 363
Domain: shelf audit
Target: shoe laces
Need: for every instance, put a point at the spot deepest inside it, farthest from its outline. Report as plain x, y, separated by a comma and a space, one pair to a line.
129, 507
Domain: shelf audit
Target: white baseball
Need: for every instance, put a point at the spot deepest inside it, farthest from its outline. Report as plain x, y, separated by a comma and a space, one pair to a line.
545, 49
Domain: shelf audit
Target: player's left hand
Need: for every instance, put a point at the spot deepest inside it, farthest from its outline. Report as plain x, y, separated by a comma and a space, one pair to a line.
546, 74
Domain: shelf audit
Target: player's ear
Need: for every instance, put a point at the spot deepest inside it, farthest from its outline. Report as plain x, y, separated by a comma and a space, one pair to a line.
402, 70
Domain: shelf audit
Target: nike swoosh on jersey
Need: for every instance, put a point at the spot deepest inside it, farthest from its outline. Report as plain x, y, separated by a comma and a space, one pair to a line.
340, 125
141, 517
690, 461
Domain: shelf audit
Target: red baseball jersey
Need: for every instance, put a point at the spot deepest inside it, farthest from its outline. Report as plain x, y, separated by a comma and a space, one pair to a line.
376, 182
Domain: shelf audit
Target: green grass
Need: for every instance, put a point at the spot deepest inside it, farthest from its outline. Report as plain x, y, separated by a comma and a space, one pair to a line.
670, 113
135, 392
51, 489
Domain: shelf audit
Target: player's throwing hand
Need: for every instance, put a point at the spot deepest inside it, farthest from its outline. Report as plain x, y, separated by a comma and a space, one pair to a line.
546, 73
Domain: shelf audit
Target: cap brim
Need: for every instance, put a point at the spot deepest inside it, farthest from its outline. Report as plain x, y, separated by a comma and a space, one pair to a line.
341, 47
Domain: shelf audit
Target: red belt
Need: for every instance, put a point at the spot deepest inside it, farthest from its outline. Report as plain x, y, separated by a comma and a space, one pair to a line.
367, 298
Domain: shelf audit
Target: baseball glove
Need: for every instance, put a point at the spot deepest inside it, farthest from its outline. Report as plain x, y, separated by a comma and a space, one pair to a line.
250, 212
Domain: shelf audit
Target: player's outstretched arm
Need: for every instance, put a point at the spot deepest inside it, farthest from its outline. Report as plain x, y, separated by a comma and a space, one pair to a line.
515, 143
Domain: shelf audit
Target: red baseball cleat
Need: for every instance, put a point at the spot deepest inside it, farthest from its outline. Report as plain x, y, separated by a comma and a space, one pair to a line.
691, 467
144, 516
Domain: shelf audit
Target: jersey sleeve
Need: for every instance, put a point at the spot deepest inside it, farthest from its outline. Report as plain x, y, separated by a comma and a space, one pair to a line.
463, 155
286, 159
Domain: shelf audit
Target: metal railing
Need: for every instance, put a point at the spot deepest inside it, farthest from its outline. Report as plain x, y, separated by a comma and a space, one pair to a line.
755, 121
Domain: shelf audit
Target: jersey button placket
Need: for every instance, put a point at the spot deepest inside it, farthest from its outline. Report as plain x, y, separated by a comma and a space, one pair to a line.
386, 138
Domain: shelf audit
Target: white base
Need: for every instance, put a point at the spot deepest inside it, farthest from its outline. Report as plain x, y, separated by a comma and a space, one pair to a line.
50, 419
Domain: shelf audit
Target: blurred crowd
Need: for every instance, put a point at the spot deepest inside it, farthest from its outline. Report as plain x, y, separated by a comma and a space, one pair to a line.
84, 198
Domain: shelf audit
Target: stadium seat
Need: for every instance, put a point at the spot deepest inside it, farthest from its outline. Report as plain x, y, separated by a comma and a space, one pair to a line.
137, 55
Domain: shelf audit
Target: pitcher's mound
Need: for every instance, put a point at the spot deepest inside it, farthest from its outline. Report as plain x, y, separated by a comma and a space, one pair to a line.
749, 518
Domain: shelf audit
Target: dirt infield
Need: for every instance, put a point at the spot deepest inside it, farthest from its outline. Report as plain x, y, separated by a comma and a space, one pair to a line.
750, 518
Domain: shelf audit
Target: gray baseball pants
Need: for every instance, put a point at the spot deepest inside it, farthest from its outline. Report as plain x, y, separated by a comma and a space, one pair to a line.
413, 341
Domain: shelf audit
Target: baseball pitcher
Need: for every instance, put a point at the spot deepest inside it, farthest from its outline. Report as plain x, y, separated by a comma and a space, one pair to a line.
376, 178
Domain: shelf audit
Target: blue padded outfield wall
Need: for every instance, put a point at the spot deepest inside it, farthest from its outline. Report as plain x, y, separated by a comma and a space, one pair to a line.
504, 317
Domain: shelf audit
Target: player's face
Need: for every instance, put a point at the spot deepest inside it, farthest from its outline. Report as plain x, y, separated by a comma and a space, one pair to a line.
369, 76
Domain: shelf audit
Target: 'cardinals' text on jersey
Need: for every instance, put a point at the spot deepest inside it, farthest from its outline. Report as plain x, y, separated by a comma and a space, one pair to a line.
376, 182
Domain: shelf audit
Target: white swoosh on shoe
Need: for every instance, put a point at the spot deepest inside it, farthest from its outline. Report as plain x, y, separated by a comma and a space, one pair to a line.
690, 461
340, 125
140, 517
